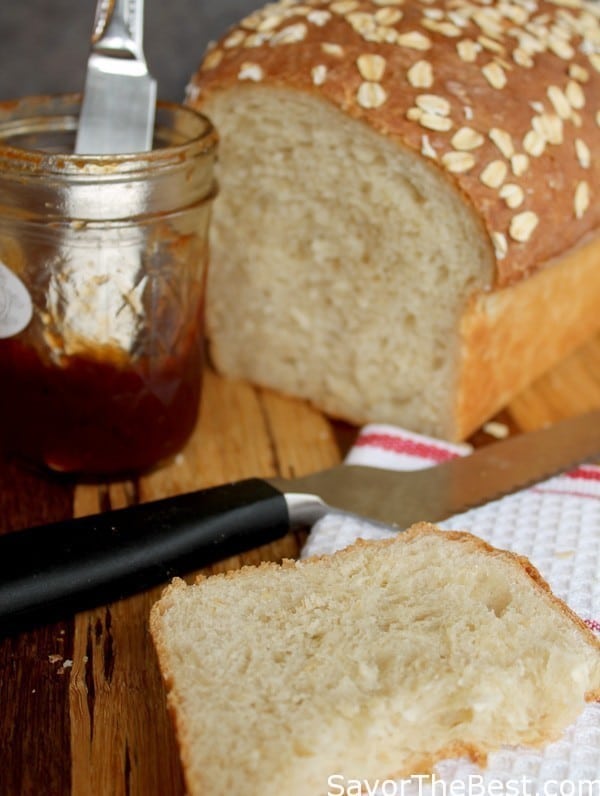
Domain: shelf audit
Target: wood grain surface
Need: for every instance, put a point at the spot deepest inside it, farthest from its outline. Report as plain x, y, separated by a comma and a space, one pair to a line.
82, 708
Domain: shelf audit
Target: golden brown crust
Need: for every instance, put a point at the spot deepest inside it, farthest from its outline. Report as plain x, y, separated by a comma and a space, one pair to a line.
509, 337
174, 705
530, 76
424, 765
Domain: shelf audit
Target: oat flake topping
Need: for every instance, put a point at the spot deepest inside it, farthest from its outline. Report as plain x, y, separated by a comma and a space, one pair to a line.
381, 57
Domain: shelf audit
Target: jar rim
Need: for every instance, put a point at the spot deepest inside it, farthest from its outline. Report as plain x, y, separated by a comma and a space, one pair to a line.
63, 109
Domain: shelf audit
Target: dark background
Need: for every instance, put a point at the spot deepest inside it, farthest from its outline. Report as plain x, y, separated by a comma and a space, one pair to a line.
44, 44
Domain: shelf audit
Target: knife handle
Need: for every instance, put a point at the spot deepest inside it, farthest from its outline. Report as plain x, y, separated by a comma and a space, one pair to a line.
50, 571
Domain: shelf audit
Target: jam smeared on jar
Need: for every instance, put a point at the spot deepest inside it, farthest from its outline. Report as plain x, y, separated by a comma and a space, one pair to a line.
97, 416
101, 376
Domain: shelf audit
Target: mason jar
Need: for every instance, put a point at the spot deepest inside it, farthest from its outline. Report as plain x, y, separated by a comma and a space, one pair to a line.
102, 274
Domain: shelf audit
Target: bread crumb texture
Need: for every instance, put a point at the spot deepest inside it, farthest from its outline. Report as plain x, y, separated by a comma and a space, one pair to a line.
371, 663
523, 75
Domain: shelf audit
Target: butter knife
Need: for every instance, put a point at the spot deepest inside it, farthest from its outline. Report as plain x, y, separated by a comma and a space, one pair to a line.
119, 102
51, 570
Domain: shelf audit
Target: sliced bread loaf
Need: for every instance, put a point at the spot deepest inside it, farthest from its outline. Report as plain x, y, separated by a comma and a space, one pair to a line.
408, 225
376, 661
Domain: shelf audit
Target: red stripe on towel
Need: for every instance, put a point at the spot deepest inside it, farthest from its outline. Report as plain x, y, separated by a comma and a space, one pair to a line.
410, 447
544, 490
585, 474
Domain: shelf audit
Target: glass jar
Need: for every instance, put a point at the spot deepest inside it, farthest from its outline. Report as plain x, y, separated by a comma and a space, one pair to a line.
102, 274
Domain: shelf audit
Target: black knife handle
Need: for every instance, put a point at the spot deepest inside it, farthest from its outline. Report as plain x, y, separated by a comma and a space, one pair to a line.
53, 570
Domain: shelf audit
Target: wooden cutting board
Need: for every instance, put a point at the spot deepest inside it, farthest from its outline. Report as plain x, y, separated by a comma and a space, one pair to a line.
82, 706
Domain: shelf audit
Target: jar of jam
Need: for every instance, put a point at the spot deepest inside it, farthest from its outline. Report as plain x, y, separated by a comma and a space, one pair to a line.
102, 275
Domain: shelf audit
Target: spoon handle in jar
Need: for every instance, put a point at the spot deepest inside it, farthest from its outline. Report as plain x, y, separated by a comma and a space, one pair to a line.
54, 570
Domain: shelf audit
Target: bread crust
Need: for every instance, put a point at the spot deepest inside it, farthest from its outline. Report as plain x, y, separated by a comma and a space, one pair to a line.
283, 45
509, 337
423, 764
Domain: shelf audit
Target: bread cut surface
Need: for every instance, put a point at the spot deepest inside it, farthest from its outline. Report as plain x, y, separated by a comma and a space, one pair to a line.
325, 261
373, 662
383, 170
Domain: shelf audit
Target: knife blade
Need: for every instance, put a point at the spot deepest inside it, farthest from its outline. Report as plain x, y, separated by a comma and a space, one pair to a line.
119, 101
48, 571
452, 487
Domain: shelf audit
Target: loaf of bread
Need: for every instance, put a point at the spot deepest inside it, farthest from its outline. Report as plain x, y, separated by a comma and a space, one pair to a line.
376, 661
408, 223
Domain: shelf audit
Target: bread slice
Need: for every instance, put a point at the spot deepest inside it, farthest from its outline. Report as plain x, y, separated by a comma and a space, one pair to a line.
376, 661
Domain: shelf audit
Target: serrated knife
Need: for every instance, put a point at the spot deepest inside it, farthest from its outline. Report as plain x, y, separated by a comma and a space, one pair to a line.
119, 101
51, 570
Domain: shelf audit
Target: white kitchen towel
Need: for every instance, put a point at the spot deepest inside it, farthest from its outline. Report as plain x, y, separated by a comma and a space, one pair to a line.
556, 524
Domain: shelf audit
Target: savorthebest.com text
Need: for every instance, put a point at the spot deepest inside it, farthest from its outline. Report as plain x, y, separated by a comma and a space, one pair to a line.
473, 785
